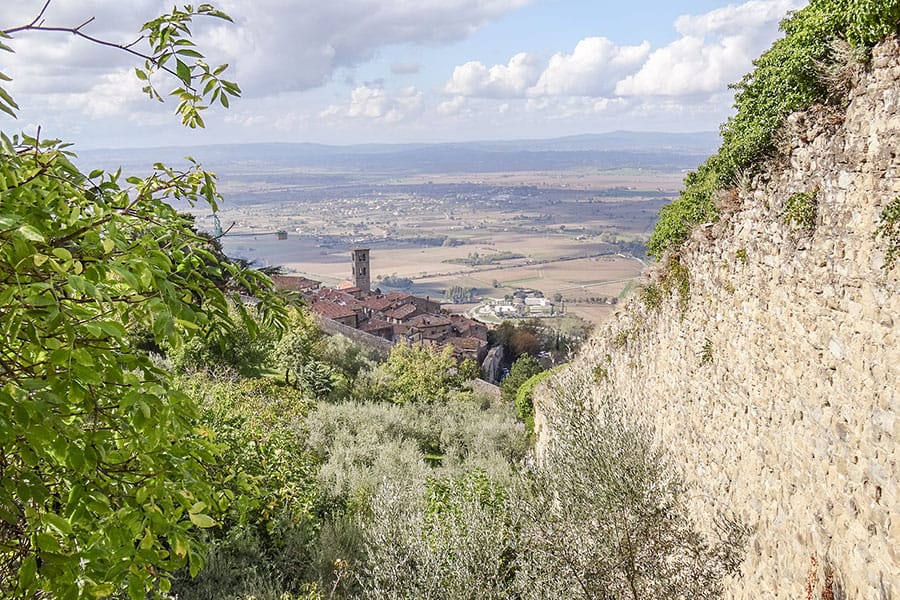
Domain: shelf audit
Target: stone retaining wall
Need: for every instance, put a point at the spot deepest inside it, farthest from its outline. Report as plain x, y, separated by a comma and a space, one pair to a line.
776, 388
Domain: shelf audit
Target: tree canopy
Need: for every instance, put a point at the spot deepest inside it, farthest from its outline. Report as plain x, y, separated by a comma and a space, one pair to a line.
105, 478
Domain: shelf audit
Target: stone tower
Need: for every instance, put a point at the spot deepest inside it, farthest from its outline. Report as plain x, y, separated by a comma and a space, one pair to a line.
361, 273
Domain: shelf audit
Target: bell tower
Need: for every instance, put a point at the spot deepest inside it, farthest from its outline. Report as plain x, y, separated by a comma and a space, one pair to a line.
361, 273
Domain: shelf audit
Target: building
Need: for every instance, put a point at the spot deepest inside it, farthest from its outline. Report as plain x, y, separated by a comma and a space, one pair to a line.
295, 283
396, 316
361, 271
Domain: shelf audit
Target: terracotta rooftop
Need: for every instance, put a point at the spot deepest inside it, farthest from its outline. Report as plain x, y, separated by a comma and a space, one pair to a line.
337, 297
377, 325
404, 311
332, 310
296, 283
466, 343
429, 321
378, 303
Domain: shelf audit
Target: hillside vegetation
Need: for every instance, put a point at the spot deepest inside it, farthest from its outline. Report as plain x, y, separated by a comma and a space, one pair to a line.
803, 68
171, 426
763, 350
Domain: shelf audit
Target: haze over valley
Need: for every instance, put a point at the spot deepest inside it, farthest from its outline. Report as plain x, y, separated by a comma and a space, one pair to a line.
566, 217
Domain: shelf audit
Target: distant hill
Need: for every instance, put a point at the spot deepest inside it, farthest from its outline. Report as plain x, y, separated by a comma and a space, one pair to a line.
615, 150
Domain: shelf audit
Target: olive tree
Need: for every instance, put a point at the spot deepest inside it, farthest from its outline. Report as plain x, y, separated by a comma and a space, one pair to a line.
105, 478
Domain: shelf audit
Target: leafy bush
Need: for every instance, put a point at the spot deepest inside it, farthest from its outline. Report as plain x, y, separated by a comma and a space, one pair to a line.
264, 538
605, 515
244, 348
421, 374
677, 278
784, 81
453, 541
889, 230
525, 398
652, 296
800, 211
525, 367
369, 449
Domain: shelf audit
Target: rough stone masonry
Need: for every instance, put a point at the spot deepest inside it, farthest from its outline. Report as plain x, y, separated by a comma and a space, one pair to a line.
776, 388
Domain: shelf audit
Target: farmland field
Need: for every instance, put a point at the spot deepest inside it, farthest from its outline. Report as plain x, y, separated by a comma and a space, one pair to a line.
573, 234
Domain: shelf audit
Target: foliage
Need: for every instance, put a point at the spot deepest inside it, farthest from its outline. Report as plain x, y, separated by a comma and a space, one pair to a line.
458, 293
525, 398
369, 449
783, 81
800, 211
244, 348
652, 296
601, 370
475, 259
420, 374
677, 278
98, 450
323, 366
524, 368
269, 479
622, 337
741, 255
605, 517
104, 480
455, 543
518, 338
395, 281
706, 353
889, 230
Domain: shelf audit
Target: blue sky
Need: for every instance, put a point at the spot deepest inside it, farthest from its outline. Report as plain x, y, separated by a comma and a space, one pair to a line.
351, 71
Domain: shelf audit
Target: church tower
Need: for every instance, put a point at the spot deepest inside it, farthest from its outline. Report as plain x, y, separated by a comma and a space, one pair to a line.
361, 273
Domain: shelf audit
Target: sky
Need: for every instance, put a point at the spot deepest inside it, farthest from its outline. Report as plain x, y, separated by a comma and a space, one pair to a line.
392, 71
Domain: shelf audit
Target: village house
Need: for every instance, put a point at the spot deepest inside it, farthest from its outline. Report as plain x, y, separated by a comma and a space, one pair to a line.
396, 316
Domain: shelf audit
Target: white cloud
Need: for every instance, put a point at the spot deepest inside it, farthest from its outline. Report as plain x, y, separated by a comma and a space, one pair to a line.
274, 46
500, 81
322, 37
452, 107
376, 104
115, 94
714, 49
592, 69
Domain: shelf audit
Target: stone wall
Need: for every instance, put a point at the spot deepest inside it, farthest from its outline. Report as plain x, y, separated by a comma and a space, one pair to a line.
380, 345
776, 386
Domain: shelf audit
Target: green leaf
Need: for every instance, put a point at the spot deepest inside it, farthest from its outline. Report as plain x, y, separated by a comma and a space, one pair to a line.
28, 575
62, 254
57, 522
184, 72
188, 52
30, 233
202, 521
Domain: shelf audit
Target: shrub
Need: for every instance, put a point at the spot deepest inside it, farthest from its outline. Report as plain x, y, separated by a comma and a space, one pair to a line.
652, 296
525, 367
785, 80
262, 545
678, 279
706, 353
454, 542
525, 399
421, 374
889, 230
605, 516
800, 211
